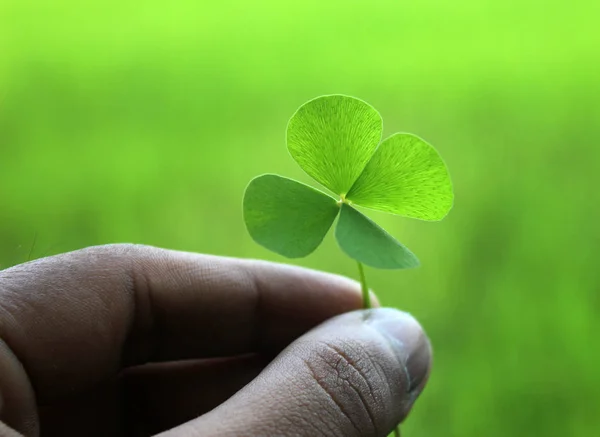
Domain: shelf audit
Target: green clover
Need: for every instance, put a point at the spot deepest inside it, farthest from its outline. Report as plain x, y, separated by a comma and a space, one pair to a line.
336, 139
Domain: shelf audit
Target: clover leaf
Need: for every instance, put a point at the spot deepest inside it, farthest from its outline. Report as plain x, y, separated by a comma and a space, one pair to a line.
336, 139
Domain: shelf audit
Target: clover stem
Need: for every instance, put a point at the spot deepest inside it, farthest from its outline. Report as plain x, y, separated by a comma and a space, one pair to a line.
367, 304
364, 287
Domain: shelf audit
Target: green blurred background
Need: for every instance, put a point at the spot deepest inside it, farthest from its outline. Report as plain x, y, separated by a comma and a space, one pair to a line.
143, 121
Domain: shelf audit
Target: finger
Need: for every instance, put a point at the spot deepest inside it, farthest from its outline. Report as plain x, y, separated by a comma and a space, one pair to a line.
75, 319
356, 375
151, 398
161, 396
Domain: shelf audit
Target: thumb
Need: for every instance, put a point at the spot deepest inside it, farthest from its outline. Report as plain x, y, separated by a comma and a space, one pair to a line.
356, 375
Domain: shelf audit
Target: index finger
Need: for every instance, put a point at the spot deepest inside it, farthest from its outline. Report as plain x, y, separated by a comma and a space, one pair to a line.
75, 319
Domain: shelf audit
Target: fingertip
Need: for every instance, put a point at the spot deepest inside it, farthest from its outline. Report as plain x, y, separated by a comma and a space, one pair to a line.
408, 340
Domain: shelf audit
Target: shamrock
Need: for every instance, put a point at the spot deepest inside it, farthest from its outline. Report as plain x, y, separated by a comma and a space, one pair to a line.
336, 139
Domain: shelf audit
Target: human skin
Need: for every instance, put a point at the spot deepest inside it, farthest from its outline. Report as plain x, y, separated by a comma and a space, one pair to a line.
128, 340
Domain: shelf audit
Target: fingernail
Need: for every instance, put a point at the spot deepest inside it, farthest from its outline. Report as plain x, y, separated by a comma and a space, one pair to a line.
408, 340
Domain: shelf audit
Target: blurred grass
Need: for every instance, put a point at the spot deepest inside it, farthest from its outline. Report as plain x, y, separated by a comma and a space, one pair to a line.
142, 122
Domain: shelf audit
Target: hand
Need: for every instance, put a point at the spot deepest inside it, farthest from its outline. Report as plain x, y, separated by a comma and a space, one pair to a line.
132, 340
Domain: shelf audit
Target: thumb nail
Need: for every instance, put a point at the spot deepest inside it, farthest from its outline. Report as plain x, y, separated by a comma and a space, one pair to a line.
408, 341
